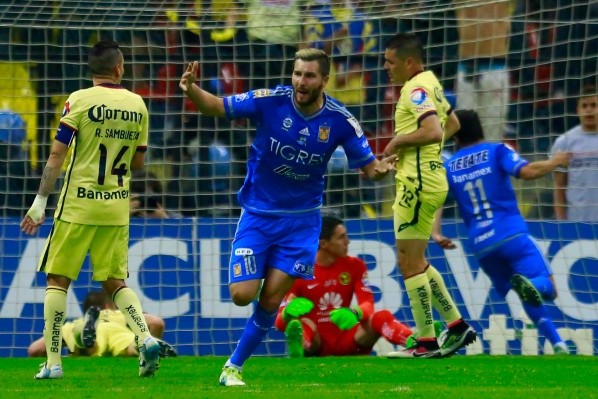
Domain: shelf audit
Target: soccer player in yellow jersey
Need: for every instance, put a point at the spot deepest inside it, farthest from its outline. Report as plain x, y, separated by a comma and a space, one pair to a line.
107, 128
422, 117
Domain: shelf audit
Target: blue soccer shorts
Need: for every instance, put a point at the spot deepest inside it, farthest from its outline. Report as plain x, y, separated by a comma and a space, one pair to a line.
519, 255
286, 243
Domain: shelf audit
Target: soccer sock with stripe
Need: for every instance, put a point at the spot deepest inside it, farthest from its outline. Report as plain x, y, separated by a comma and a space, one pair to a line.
54, 316
420, 295
441, 299
387, 326
128, 303
255, 330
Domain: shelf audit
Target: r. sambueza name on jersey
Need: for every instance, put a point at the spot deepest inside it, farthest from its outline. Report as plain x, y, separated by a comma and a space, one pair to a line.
83, 192
118, 134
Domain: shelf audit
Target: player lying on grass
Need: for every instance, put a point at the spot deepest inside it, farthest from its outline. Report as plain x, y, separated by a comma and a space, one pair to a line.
479, 176
103, 331
317, 316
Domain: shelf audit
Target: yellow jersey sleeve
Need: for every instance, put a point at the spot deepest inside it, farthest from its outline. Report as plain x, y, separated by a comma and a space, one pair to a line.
421, 97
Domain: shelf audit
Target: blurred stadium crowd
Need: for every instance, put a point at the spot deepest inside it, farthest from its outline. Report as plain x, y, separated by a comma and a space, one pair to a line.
196, 164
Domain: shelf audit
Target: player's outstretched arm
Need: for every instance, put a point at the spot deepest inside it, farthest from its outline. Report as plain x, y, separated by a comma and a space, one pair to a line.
207, 103
537, 169
378, 169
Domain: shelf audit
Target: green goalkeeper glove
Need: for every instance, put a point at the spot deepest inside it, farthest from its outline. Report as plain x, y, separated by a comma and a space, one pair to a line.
297, 307
346, 318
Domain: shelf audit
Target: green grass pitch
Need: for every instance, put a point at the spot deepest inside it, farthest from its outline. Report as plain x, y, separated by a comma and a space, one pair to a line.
480, 377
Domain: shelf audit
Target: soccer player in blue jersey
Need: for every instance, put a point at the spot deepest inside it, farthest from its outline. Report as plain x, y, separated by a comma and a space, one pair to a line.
479, 176
298, 129
107, 128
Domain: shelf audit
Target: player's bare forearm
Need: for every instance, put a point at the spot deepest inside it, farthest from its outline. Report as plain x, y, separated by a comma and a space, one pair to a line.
537, 169
452, 126
52, 169
560, 199
207, 103
429, 132
437, 236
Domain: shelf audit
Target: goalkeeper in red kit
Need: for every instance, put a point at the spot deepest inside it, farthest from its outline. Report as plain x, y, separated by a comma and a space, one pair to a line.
316, 315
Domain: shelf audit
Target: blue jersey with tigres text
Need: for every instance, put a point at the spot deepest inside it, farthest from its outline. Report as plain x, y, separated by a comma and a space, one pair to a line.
479, 178
288, 157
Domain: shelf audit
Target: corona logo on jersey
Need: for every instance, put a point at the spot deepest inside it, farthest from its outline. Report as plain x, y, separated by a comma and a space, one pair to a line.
101, 113
418, 96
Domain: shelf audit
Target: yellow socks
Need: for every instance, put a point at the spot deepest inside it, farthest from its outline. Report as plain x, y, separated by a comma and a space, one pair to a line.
54, 316
441, 299
420, 295
128, 303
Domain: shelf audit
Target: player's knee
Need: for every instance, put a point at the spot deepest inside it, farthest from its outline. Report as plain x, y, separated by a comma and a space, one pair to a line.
241, 297
270, 304
550, 296
379, 318
156, 325
36, 351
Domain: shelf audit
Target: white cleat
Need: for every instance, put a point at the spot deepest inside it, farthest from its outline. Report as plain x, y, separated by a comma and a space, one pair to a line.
51, 373
149, 356
231, 377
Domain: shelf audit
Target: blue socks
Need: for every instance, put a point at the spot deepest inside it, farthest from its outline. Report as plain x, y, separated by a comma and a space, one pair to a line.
539, 316
255, 330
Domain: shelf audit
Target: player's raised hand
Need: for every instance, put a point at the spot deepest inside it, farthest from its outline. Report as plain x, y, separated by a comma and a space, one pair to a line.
189, 76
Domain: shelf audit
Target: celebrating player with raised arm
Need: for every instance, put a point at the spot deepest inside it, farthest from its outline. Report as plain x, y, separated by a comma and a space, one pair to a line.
298, 129
107, 128
479, 176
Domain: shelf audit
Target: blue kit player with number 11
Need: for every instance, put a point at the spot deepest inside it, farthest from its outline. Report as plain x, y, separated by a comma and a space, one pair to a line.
106, 126
479, 177
298, 129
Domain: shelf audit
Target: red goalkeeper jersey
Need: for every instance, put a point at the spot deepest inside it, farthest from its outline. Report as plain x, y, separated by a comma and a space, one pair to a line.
332, 288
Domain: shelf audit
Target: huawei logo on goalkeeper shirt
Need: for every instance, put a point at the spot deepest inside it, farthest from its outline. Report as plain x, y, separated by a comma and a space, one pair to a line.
330, 300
